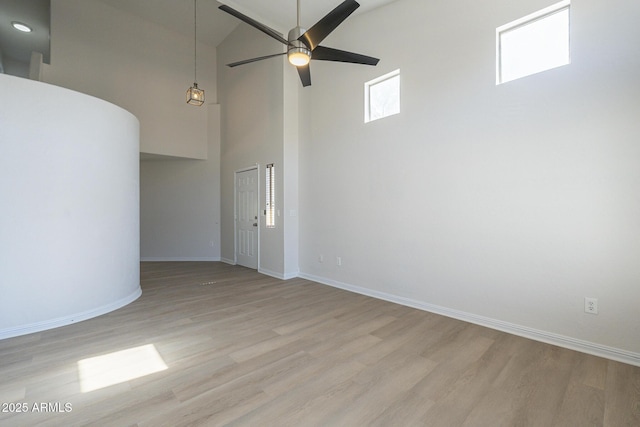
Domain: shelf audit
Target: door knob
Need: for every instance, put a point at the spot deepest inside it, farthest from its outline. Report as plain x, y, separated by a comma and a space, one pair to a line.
255, 224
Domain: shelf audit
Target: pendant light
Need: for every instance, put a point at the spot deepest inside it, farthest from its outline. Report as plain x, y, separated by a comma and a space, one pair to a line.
195, 96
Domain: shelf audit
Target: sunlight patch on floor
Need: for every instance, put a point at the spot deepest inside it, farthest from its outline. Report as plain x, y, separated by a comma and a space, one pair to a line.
118, 367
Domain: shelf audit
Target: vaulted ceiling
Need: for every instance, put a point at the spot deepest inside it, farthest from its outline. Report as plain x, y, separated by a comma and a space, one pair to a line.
214, 25
176, 15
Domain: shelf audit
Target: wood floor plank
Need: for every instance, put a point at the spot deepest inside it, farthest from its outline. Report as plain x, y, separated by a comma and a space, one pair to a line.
284, 410
244, 349
583, 402
383, 384
622, 395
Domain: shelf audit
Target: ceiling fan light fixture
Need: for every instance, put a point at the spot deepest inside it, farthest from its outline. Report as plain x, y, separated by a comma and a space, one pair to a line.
298, 53
299, 56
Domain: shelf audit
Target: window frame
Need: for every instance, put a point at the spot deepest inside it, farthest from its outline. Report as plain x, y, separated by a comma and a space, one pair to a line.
527, 20
367, 95
270, 196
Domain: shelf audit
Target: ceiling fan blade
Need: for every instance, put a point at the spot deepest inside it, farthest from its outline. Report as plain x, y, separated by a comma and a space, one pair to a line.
268, 31
314, 35
322, 53
260, 58
305, 75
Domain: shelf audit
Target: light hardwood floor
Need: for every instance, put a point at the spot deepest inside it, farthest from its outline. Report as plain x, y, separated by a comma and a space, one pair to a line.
244, 349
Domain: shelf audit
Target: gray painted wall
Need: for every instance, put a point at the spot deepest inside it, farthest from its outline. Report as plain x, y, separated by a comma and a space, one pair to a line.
180, 203
252, 133
146, 69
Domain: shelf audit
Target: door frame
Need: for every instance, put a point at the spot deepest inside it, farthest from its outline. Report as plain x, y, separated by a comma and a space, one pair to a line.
255, 167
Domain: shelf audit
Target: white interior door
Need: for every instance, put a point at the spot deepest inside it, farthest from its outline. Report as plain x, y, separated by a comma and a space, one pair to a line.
247, 218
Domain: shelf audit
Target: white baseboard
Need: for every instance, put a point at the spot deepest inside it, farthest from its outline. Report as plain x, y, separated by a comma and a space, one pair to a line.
281, 276
595, 349
228, 261
178, 259
67, 320
289, 276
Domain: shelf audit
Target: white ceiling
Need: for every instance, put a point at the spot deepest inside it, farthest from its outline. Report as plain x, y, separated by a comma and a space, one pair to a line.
176, 15
281, 14
214, 25
18, 45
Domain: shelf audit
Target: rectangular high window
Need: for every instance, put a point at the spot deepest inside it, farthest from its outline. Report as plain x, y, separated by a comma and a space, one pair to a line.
382, 96
534, 43
270, 206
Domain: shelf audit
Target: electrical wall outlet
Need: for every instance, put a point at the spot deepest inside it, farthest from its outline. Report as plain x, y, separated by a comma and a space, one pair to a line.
590, 305
338, 260
320, 258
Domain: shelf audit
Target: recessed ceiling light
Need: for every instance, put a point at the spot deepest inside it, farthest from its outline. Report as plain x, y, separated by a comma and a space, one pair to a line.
21, 27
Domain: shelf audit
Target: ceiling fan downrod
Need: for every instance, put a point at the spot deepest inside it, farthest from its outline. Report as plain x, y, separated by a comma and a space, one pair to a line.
298, 53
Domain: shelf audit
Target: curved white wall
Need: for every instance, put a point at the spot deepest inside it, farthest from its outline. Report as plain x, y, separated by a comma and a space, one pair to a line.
69, 207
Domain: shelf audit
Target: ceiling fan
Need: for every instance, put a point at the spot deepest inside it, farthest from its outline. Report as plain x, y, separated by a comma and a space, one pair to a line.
304, 45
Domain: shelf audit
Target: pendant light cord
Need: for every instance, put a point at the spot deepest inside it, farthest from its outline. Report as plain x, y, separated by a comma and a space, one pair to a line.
195, 34
298, 13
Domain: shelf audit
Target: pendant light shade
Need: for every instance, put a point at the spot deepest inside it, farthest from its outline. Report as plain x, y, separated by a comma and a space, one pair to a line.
195, 96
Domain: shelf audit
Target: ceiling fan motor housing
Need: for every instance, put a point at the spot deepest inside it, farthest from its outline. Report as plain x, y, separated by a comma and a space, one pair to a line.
298, 53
